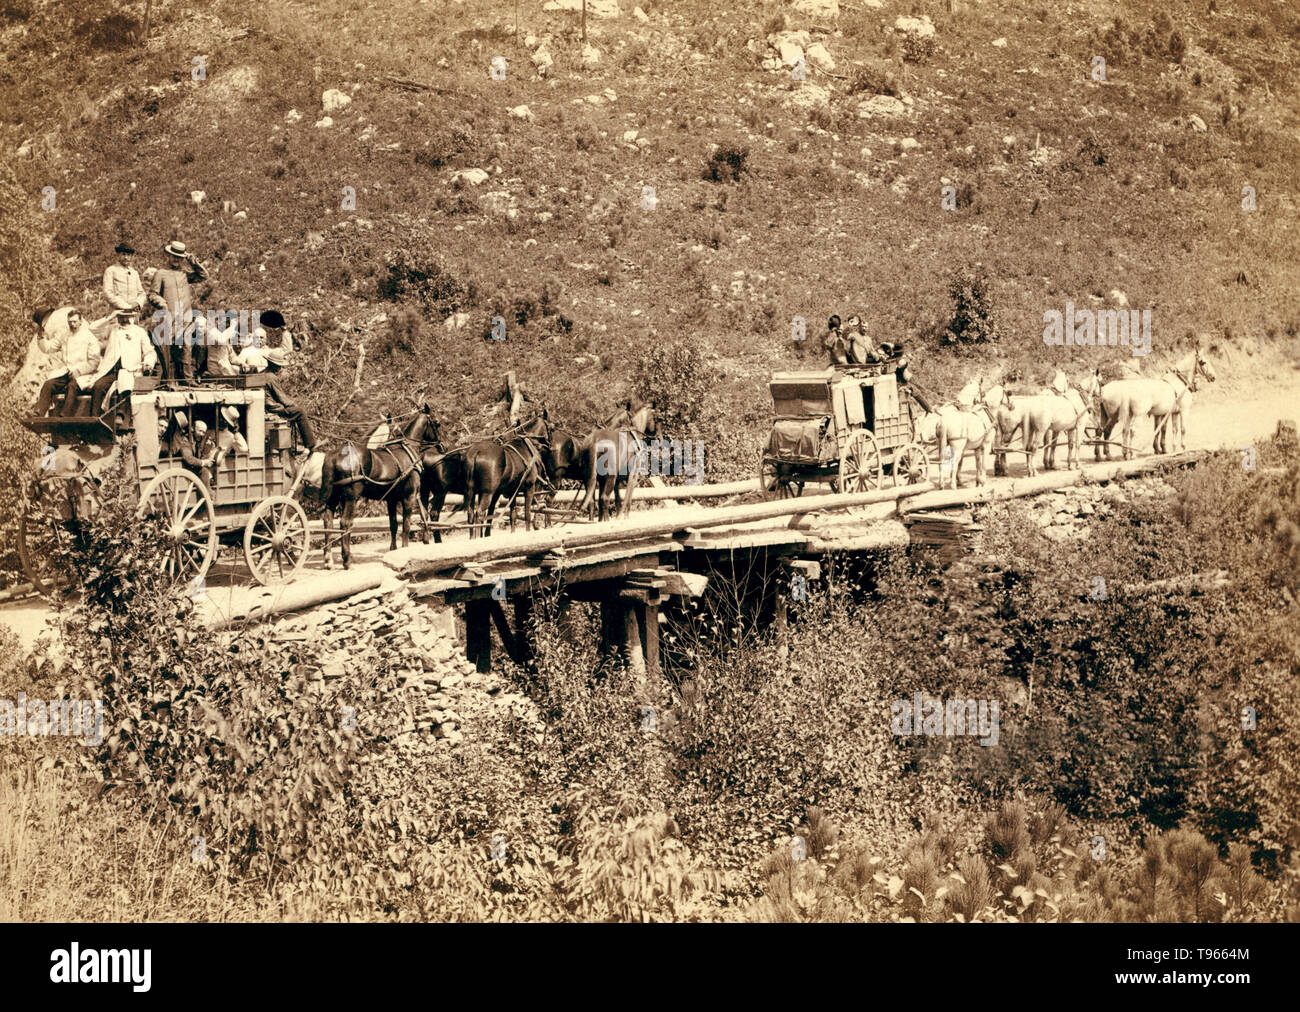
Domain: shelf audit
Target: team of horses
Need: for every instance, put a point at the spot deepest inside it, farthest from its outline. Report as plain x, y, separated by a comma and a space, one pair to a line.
993, 419
403, 463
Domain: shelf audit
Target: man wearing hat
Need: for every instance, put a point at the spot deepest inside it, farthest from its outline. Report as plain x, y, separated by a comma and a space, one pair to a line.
171, 293
122, 281
275, 356
128, 355
861, 349
183, 445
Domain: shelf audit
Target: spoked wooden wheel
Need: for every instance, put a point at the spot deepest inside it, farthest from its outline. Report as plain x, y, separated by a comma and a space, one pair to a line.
860, 468
181, 507
911, 465
276, 539
43, 540
773, 483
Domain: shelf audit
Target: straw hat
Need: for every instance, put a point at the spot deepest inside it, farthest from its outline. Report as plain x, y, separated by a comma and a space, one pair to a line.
176, 249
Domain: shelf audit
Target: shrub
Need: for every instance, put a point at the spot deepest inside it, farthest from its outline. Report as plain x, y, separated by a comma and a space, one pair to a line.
674, 377
971, 321
726, 164
415, 272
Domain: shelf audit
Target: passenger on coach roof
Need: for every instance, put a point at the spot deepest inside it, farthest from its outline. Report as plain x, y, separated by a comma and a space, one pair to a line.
122, 281
128, 355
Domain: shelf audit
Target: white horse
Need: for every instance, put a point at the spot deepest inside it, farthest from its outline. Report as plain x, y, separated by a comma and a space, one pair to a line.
958, 429
1123, 402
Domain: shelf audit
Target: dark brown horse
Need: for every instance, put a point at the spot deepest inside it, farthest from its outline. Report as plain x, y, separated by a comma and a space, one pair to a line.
379, 468
495, 468
616, 458
442, 473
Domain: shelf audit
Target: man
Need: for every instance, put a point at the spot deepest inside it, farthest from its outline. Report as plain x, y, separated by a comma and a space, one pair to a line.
183, 446
122, 281
56, 369
862, 350
129, 355
223, 360
834, 342
228, 435
81, 358
276, 355
171, 293
205, 449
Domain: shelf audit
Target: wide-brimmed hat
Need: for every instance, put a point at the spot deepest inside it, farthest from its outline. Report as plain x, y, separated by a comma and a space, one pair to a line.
124, 248
182, 418
129, 313
230, 414
175, 248
41, 315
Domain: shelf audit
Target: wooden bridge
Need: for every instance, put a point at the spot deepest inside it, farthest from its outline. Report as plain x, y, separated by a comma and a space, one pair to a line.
632, 567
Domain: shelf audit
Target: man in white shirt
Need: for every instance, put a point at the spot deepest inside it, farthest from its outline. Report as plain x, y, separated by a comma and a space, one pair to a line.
129, 355
56, 329
122, 282
81, 356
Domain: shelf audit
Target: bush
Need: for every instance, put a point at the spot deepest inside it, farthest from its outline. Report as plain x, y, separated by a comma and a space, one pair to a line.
675, 378
971, 321
726, 164
415, 272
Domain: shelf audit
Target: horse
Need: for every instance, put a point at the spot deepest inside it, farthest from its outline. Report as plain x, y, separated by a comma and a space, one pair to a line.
566, 458
617, 457
1123, 402
441, 472
1048, 415
494, 468
956, 429
385, 472
1183, 378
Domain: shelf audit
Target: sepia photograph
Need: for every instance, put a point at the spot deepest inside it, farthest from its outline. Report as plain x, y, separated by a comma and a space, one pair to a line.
651, 461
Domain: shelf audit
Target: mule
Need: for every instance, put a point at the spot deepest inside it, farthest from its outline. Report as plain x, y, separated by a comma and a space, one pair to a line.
1123, 402
616, 458
959, 430
387, 471
1048, 416
494, 468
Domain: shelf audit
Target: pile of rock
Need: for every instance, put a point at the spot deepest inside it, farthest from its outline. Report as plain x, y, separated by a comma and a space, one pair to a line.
387, 629
792, 50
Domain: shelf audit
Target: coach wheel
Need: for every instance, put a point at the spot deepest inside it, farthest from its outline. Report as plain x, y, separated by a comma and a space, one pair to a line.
276, 540
181, 508
773, 483
911, 465
860, 468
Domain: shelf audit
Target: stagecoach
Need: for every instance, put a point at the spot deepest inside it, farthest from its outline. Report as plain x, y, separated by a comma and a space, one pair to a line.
251, 501
848, 426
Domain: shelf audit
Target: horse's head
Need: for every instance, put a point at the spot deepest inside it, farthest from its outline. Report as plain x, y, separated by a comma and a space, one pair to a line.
1203, 367
537, 427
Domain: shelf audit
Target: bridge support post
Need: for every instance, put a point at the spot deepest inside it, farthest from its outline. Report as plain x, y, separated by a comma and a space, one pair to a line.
478, 633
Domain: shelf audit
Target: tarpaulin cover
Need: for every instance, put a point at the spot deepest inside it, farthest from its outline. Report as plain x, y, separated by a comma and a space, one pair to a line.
794, 438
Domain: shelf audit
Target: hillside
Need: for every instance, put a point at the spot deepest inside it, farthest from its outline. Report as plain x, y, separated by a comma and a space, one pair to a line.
826, 193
